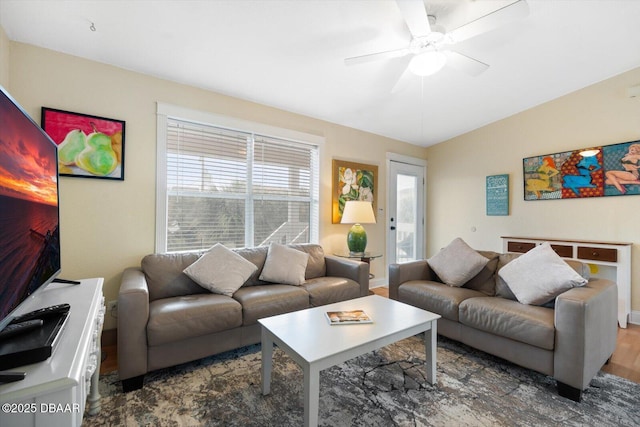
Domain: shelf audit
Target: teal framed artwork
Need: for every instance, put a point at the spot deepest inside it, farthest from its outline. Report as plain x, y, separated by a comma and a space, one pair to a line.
497, 193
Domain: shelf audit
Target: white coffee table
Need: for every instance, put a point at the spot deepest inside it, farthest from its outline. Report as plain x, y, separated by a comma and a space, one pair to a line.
307, 338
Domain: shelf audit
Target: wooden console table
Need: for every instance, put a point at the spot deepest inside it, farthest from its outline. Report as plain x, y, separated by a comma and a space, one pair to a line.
608, 260
54, 391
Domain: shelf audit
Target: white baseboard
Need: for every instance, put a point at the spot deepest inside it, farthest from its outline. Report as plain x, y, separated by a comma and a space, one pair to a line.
376, 283
634, 317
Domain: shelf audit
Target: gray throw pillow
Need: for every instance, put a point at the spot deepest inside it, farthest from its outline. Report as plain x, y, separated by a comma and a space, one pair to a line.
485, 281
457, 263
539, 276
220, 270
284, 265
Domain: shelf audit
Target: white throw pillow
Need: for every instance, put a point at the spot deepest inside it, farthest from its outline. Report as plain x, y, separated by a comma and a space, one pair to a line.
457, 263
221, 270
284, 265
539, 276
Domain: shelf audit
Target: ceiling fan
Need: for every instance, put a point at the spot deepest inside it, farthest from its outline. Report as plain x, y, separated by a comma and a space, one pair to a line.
430, 44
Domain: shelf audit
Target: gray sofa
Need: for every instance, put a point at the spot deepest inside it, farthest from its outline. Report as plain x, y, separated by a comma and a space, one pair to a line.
569, 341
164, 318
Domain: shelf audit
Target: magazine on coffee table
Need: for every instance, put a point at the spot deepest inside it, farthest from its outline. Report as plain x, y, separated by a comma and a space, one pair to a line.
348, 317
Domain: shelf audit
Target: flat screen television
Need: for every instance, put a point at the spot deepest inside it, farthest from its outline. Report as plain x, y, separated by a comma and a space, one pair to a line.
29, 213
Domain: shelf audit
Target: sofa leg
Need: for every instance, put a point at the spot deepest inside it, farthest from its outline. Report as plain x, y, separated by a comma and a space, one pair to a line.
131, 384
569, 392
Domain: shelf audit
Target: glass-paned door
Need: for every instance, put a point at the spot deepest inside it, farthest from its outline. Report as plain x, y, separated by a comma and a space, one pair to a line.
406, 212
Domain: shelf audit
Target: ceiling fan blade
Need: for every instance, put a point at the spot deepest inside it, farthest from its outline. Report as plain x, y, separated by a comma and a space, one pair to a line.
415, 15
396, 53
465, 63
489, 22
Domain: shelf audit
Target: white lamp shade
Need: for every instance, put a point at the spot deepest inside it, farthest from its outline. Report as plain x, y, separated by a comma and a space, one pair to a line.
358, 212
427, 63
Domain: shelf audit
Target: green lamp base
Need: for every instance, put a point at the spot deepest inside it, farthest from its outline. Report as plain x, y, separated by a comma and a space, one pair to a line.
357, 238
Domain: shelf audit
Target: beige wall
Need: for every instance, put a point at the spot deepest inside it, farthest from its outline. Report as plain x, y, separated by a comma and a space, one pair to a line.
597, 115
4, 59
109, 225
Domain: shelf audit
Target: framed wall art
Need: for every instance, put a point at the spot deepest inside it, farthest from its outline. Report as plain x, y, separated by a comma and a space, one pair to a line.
88, 146
352, 181
497, 195
609, 170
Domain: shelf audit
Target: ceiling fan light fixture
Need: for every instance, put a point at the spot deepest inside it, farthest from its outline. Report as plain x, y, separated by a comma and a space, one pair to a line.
589, 153
427, 63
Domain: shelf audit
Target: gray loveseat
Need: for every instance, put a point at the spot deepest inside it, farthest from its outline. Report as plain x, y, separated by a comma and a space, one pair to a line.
164, 318
570, 341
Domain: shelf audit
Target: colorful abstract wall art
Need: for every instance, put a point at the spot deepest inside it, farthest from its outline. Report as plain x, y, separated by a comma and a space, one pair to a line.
613, 171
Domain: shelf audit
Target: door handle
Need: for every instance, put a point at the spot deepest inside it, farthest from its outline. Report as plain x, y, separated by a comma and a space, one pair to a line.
392, 227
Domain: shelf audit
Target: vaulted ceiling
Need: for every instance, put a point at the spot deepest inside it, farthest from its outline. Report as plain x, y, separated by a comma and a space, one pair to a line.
290, 54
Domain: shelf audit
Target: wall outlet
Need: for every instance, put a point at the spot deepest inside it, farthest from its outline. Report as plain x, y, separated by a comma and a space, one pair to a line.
112, 308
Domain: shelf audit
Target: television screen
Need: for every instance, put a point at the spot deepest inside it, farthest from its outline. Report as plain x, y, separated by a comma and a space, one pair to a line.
29, 214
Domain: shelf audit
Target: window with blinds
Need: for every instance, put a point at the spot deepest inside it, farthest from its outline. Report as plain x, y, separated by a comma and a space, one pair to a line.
237, 188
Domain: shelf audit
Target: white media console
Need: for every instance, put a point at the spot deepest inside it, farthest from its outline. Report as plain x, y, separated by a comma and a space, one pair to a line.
55, 391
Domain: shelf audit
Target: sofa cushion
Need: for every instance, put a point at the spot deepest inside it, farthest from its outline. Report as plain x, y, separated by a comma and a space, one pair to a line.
316, 266
457, 263
178, 318
485, 280
539, 275
524, 323
502, 289
268, 300
327, 290
284, 265
165, 277
220, 270
257, 256
580, 267
435, 297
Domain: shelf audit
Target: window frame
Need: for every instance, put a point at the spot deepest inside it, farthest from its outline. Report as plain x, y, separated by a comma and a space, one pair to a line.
166, 111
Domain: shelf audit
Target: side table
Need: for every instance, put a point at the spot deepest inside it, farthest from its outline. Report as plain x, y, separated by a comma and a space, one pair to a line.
362, 256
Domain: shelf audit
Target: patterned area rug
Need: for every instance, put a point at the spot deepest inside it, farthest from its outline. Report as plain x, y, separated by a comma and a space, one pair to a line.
383, 388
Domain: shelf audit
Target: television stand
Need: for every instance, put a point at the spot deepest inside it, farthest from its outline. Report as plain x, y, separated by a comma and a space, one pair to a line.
55, 391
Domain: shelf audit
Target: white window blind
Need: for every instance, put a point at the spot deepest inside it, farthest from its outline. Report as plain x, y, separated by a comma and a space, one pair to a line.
237, 188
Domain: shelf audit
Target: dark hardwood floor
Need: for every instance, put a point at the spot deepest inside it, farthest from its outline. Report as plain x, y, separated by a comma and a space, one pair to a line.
625, 361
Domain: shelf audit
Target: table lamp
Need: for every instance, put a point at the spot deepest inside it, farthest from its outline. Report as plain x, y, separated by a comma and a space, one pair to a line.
356, 213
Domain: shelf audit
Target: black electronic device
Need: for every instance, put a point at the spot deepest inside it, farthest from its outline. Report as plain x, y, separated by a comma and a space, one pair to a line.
14, 329
29, 213
33, 346
40, 313
11, 376
67, 281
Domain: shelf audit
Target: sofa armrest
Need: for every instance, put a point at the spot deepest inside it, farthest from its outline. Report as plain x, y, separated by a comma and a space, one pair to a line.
350, 269
133, 315
414, 270
586, 331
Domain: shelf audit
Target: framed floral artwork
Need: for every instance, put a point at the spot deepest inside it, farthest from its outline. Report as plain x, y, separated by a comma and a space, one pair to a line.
352, 181
88, 146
